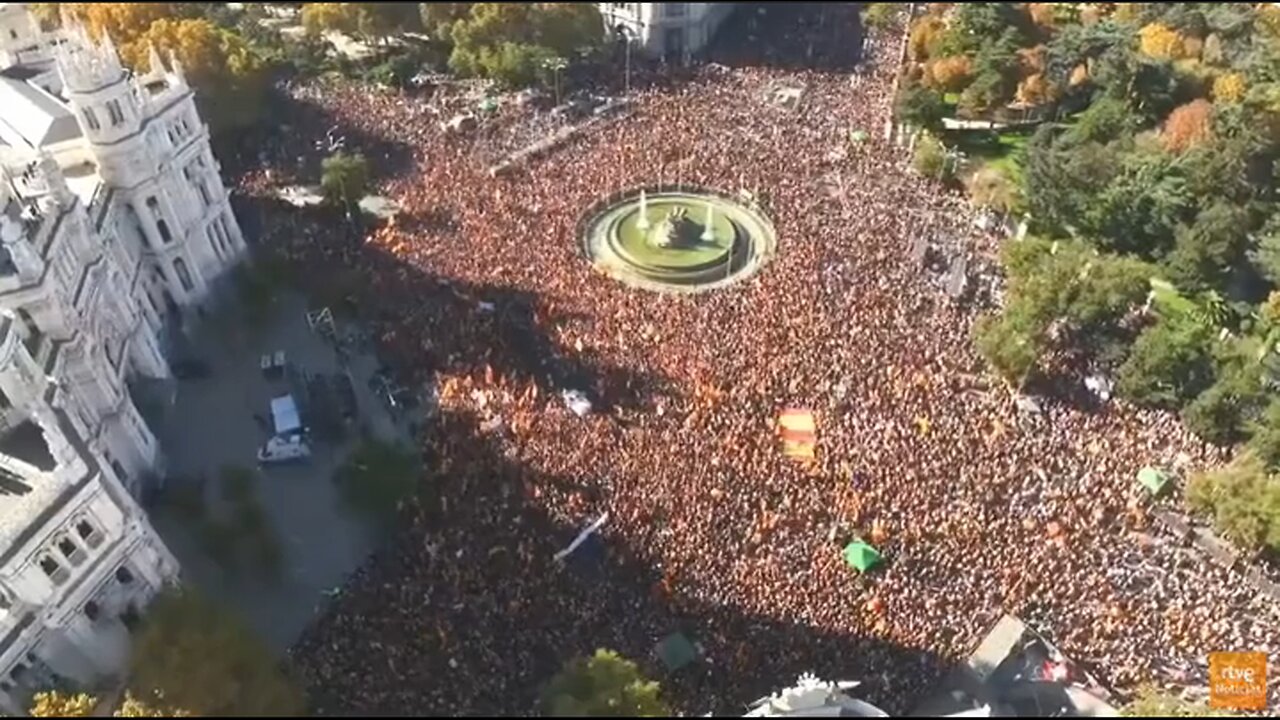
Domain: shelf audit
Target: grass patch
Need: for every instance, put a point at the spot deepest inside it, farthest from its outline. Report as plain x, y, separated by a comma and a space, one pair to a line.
989, 150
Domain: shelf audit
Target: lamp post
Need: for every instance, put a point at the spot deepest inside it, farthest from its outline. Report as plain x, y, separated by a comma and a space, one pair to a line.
555, 65
624, 33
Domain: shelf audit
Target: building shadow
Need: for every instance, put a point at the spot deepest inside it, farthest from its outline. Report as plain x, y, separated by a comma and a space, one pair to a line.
467, 612
792, 36
302, 132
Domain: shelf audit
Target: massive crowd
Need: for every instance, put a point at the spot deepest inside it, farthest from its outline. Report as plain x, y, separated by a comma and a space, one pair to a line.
480, 290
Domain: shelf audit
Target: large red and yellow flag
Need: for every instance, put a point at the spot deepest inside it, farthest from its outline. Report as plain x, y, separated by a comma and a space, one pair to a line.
799, 434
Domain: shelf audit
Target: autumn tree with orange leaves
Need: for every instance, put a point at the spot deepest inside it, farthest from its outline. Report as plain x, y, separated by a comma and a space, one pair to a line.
1187, 126
229, 76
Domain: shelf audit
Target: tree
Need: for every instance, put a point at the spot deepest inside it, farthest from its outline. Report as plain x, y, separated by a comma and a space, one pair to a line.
1266, 255
230, 77
1229, 88
378, 477
603, 685
1138, 209
1188, 126
880, 16
921, 107
930, 156
925, 34
438, 18
330, 17
1208, 250
197, 656
1223, 413
950, 74
510, 42
56, 704
344, 178
1160, 42
374, 21
1010, 344
990, 187
1169, 363
1265, 442
1243, 499
1057, 291
125, 22
134, 707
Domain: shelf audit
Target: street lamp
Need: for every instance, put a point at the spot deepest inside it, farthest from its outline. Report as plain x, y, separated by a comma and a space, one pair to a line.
625, 34
555, 65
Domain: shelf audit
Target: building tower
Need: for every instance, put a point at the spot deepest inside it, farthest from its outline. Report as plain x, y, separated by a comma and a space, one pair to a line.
152, 150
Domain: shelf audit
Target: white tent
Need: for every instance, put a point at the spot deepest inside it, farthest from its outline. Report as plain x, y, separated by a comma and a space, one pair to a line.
284, 412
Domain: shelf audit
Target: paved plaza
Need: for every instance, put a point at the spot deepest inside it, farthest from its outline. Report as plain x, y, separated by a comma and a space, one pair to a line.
211, 425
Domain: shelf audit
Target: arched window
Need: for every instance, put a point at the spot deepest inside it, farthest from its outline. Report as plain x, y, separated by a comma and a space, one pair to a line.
88, 533
70, 551
153, 204
115, 112
213, 242
184, 277
131, 215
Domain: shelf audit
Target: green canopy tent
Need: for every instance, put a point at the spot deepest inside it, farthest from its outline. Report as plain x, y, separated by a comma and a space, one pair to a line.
675, 651
861, 556
488, 105
857, 137
1152, 479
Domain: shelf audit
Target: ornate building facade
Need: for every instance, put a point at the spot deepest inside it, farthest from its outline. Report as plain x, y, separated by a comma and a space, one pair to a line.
115, 228
672, 30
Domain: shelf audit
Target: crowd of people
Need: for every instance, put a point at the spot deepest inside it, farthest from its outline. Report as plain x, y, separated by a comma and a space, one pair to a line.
480, 291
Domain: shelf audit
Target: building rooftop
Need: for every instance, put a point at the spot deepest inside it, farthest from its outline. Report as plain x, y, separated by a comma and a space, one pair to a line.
25, 442
33, 116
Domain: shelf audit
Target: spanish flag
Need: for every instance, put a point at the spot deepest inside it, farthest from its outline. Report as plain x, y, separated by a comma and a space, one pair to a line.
799, 434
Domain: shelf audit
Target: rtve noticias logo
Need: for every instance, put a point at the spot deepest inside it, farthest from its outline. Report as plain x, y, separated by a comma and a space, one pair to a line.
1238, 680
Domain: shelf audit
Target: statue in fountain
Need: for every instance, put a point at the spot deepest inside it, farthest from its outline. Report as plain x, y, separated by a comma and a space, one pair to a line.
676, 230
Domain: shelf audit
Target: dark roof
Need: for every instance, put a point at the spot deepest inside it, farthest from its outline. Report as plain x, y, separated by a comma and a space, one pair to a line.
26, 442
20, 72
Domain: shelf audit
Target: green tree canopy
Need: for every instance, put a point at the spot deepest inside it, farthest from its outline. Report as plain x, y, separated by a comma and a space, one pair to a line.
921, 106
603, 685
511, 42
1243, 499
344, 177
1169, 364
199, 657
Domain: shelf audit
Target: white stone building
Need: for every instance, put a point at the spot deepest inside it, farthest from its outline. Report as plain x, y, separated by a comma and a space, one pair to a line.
673, 30
114, 228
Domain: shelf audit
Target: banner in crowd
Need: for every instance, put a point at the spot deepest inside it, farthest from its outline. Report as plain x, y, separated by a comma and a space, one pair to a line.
799, 433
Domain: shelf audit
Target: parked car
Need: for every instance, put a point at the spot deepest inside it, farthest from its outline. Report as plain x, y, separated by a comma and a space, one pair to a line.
285, 448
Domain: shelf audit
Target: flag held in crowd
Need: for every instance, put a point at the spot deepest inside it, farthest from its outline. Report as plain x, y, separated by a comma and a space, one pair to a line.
799, 434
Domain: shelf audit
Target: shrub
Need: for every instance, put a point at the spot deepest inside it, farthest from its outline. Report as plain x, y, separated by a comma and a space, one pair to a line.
930, 156
1244, 501
377, 477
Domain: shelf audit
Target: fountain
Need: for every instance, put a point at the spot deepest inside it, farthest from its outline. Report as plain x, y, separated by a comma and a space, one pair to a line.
676, 253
